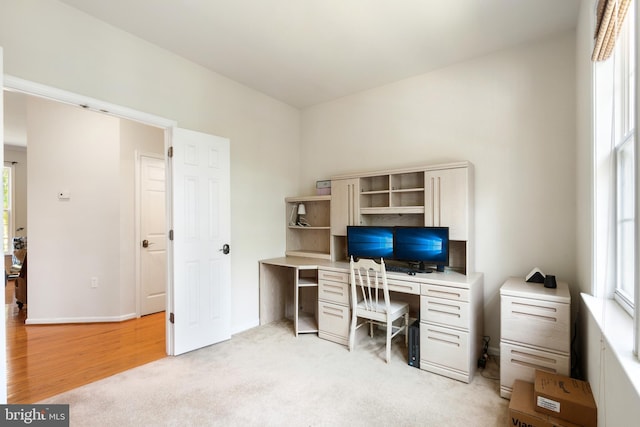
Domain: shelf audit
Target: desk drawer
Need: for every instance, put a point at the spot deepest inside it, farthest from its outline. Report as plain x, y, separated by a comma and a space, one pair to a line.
535, 322
333, 322
444, 347
333, 292
334, 276
404, 287
445, 312
446, 292
519, 362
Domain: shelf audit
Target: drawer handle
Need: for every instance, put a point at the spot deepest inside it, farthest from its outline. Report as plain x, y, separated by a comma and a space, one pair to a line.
532, 356
397, 285
327, 310
332, 276
327, 291
449, 306
538, 307
338, 315
532, 365
440, 340
450, 294
537, 316
447, 313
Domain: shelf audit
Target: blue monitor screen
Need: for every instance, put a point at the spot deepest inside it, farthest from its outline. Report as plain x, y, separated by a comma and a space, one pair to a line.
370, 242
427, 244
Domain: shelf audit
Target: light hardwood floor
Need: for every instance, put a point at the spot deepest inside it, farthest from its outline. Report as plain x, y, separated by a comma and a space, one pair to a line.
44, 360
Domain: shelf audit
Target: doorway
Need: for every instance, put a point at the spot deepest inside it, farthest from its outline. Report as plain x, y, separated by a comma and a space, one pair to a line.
207, 271
151, 257
131, 132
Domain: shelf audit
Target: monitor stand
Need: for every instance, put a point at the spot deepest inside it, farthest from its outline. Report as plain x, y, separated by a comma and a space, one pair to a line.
423, 269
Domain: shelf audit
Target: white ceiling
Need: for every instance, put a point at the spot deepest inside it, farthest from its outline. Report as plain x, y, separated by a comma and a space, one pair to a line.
305, 52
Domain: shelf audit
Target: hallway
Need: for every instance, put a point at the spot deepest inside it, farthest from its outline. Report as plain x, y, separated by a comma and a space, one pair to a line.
44, 360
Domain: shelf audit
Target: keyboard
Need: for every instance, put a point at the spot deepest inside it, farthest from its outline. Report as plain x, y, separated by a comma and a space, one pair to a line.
405, 270
399, 269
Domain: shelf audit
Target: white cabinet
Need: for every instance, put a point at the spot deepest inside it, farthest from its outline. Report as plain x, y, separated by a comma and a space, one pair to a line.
312, 240
334, 315
447, 201
535, 331
345, 202
451, 324
436, 195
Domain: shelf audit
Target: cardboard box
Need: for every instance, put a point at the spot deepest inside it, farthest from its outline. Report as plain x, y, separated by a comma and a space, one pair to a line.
323, 187
565, 398
522, 410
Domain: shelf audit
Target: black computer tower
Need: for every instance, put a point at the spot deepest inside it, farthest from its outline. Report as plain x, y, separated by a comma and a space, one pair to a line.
414, 344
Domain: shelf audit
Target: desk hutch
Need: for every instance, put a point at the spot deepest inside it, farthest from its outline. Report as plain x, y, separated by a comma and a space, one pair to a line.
310, 285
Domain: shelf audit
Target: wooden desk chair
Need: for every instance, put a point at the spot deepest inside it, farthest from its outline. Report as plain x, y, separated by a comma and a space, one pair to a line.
368, 280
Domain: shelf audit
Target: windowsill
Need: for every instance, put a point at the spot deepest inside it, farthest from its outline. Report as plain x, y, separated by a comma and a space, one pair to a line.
617, 329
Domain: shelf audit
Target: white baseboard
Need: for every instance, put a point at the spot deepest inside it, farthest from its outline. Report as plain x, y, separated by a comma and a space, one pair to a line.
60, 320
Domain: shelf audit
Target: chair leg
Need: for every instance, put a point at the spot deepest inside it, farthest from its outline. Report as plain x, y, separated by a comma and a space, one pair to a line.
370, 329
389, 332
352, 332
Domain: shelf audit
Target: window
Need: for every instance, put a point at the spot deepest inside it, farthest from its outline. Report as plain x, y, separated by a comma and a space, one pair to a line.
7, 217
624, 141
615, 260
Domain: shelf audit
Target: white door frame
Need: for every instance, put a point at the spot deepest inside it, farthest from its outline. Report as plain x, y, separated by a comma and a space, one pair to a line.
43, 91
137, 213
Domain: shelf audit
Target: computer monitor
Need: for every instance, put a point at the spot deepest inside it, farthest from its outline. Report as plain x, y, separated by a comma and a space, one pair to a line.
369, 242
428, 246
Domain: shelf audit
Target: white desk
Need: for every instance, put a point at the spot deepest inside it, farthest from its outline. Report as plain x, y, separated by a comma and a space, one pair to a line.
450, 308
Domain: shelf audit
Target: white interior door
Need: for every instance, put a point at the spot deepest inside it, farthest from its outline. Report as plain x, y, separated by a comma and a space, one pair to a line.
200, 300
153, 235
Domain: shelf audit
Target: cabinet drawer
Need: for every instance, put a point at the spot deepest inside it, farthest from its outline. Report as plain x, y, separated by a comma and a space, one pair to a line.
445, 312
535, 322
518, 362
444, 347
333, 291
333, 322
446, 292
334, 276
404, 287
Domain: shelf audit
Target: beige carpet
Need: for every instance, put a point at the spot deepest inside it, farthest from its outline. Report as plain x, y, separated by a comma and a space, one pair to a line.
268, 377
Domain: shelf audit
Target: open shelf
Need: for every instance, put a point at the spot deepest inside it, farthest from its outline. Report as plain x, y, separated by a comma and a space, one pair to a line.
312, 240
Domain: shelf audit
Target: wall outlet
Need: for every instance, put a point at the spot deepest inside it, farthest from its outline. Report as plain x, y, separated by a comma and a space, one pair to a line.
94, 282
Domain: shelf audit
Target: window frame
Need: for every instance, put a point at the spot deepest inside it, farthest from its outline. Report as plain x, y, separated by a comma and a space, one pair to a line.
624, 139
8, 208
610, 133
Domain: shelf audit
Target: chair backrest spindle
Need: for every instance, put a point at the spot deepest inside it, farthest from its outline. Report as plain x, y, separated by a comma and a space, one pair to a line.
371, 278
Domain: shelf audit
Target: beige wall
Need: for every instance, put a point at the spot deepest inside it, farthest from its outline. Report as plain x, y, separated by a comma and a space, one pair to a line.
70, 241
69, 50
512, 114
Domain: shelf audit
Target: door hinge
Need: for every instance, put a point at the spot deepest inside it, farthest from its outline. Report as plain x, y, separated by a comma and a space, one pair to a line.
170, 152
170, 234
171, 318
